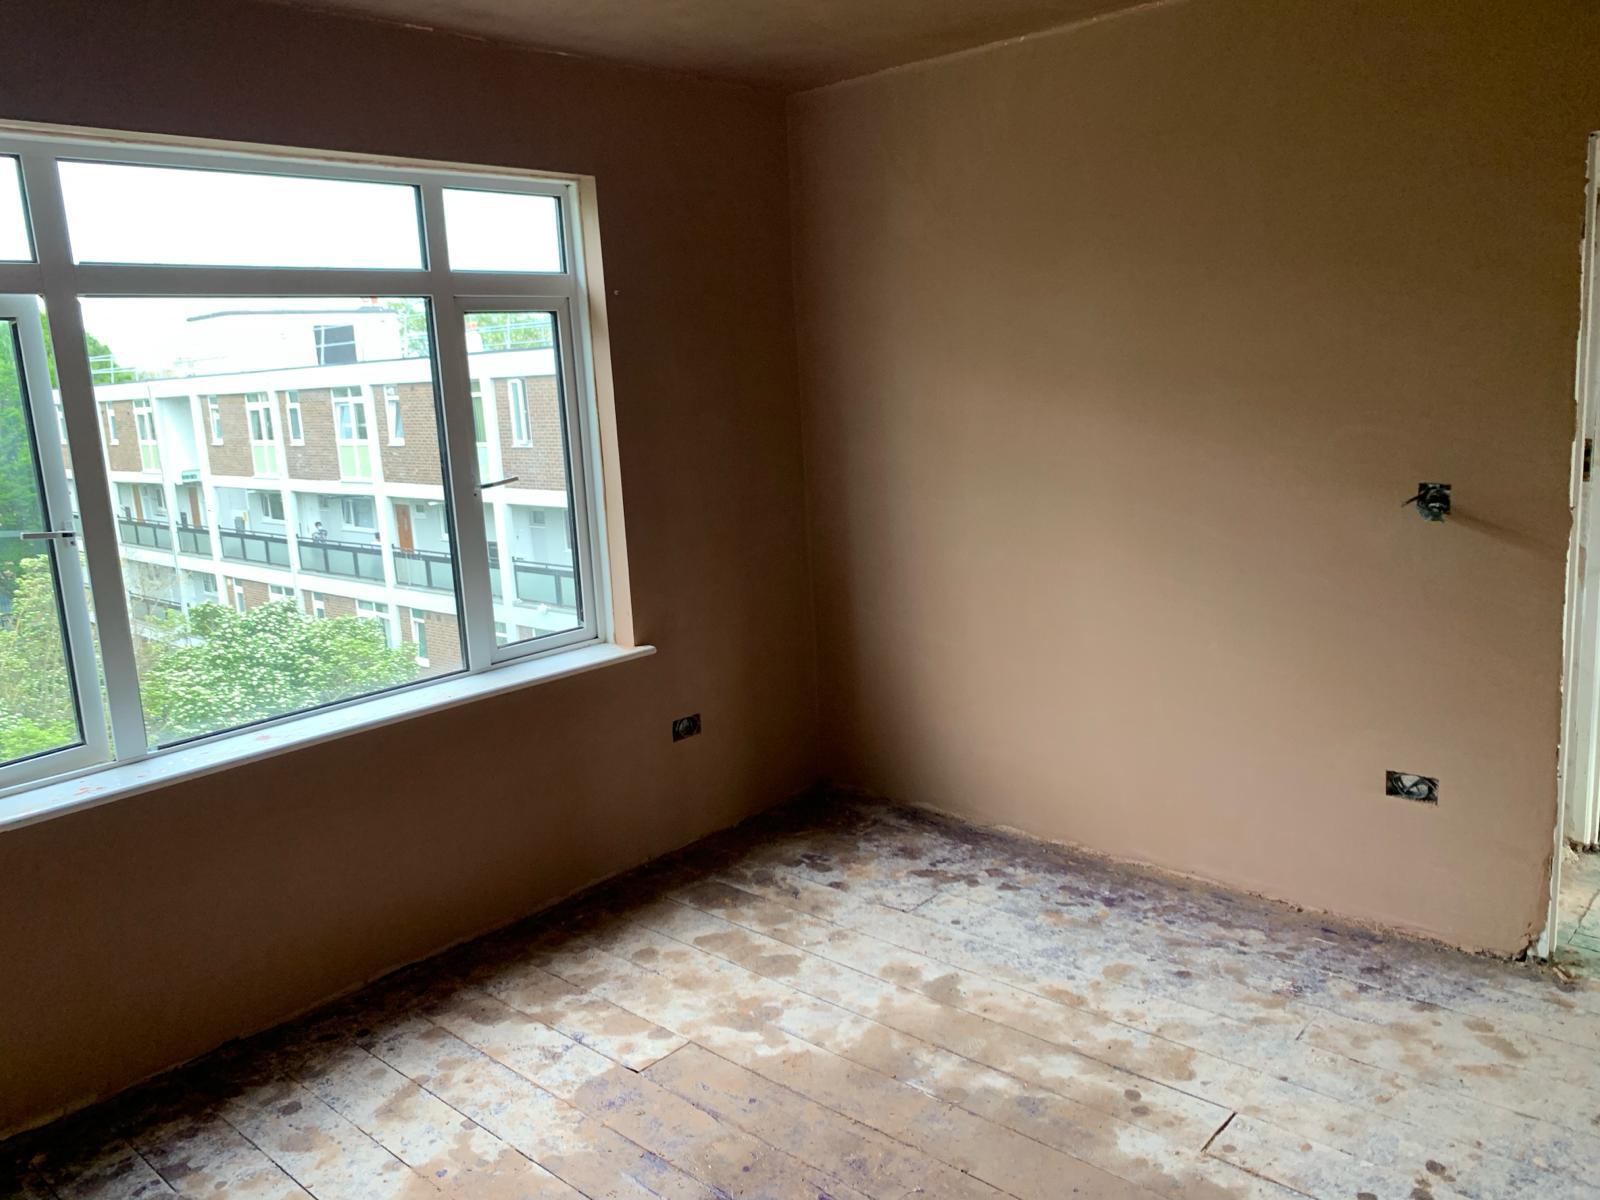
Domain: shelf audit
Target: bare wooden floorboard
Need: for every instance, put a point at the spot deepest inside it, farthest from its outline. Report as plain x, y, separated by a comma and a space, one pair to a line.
1082, 972
1365, 1132
849, 1001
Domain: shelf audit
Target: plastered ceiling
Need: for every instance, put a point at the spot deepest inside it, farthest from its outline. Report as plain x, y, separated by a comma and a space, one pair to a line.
788, 44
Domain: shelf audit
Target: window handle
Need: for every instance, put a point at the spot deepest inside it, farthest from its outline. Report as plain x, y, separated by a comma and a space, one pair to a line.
484, 487
50, 535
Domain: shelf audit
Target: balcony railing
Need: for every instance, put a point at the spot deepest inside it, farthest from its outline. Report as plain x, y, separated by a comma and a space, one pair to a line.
155, 534
433, 570
194, 539
536, 582
350, 560
250, 546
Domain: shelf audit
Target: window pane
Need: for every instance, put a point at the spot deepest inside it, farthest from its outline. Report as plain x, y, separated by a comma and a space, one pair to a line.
533, 570
133, 214
38, 703
502, 231
14, 243
339, 517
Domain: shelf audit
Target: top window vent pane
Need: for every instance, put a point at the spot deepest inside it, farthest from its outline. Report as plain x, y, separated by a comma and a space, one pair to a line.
502, 231
171, 216
15, 245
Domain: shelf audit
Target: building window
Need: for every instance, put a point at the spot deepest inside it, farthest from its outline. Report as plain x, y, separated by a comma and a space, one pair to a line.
111, 424
391, 407
520, 426
180, 292
293, 418
144, 424
358, 512
350, 432
371, 610
263, 438
335, 344
419, 638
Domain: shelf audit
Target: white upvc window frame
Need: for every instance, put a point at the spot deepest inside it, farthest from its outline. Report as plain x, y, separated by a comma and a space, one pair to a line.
517, 410
60, 281
294, 421
261, 422
144, 432
393, 418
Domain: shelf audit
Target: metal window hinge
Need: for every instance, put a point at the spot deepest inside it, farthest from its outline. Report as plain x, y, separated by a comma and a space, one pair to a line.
1588, 457
50, 535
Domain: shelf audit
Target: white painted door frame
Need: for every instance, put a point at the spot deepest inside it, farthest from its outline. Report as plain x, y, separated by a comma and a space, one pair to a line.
1578, 781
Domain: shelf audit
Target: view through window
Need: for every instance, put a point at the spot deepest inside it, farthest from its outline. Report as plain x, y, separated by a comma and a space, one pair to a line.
285, 515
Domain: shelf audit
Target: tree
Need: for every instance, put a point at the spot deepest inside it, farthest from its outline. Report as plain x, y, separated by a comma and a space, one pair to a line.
223, 668
36, 708
210, 670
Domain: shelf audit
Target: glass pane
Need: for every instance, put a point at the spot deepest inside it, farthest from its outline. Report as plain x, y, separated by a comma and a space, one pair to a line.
258, 565
513, 360
131, 214
38, 703
502, 231
15, 245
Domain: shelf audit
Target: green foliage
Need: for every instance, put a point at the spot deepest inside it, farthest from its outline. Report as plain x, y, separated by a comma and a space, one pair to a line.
36, 709
231, 668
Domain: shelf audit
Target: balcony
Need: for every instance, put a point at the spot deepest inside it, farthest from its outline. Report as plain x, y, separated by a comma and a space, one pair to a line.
250, 546
348, 560
536, 582
431, 570
157, 535
194, 539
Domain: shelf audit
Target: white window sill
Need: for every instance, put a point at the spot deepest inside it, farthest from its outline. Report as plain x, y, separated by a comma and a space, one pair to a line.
102, 785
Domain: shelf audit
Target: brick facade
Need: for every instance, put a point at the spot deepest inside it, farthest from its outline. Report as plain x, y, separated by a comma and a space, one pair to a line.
233, 456
543, 464
417, 459
123, 454
319, 457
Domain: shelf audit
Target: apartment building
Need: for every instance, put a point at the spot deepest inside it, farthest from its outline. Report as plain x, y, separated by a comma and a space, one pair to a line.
293, 455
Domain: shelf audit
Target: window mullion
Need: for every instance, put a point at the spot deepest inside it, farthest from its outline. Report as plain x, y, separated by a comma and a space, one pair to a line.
450, 351
95, 505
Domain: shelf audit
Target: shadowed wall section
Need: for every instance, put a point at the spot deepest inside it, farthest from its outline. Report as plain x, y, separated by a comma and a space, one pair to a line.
1120, 348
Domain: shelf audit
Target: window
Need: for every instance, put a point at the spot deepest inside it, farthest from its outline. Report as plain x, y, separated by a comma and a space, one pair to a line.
144, 424
111, 424
61, 421
358, 512
517, 389
371, 610
350, 431
391, 405
293, 418
263, 441
15, 244
335, 344
222, 365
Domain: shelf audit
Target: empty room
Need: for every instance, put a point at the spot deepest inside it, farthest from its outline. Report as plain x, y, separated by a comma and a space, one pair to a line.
800, 599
